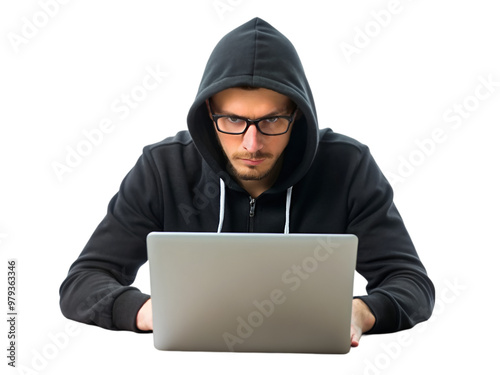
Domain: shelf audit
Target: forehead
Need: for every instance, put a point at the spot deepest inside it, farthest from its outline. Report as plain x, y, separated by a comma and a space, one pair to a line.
242, 99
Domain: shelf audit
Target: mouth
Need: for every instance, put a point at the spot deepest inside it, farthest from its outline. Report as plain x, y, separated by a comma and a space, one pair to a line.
252, 162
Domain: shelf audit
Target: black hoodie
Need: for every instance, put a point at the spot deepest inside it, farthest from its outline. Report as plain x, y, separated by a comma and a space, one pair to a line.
175, 186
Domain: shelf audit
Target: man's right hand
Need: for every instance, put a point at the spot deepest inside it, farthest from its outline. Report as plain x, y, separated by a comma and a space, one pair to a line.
144, 319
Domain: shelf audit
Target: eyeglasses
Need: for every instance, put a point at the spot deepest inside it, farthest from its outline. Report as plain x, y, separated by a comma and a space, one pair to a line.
273, 125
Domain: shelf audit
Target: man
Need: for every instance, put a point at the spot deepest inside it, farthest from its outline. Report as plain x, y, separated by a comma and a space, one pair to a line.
253, 130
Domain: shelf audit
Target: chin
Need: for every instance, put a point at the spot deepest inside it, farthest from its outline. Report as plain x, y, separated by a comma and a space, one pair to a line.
251, 176
249, 173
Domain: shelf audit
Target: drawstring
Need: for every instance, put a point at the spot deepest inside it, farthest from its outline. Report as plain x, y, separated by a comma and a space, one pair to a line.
223, 203
287, 213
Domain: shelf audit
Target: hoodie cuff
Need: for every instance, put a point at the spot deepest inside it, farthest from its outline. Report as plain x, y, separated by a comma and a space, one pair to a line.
382, 307
125, 309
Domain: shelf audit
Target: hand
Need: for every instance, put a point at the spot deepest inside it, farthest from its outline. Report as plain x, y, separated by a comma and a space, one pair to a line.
362, 320
144, 319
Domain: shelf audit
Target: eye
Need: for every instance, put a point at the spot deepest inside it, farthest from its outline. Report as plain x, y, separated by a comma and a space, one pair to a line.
234, 120
271, 120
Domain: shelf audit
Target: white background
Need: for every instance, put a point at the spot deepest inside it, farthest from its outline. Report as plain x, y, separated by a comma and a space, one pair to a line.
62, 68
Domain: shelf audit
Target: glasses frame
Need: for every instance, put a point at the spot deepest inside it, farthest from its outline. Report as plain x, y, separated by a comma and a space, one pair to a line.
249, 122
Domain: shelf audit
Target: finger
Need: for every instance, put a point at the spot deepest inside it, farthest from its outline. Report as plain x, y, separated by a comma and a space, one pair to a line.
355, 337
354, 341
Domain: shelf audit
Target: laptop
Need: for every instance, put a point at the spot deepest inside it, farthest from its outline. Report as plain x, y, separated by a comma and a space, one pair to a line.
252, 292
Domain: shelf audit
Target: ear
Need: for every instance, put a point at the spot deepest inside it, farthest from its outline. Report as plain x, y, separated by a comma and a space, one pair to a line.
298, 115
207, 103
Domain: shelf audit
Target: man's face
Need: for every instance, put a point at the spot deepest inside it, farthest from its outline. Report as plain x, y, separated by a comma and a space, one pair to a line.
253, 156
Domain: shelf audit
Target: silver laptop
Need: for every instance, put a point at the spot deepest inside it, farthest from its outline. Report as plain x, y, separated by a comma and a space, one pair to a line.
289, 293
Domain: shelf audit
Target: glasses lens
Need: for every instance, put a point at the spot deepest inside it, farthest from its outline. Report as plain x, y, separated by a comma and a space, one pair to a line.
231, 124
235, 125
275, 125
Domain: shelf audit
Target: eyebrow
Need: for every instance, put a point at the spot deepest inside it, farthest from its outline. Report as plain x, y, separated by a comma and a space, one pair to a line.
279, 112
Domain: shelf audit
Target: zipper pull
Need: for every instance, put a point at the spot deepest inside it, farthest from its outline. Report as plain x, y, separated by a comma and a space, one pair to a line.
252, 207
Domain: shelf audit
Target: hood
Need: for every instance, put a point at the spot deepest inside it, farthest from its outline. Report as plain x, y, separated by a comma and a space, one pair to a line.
256, 54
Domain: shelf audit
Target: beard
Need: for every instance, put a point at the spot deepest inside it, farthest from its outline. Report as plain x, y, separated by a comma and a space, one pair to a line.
253, 173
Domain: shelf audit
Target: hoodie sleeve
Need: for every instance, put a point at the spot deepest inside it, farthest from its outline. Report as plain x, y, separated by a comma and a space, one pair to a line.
400, 294
97, 288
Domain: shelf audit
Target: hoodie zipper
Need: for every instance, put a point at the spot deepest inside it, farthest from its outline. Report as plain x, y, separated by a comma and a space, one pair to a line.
252, 214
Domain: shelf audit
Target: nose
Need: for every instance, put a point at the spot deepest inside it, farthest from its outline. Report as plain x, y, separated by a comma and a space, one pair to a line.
252, 139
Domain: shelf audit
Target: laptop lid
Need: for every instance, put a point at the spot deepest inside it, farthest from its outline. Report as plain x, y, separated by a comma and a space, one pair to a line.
252, 292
